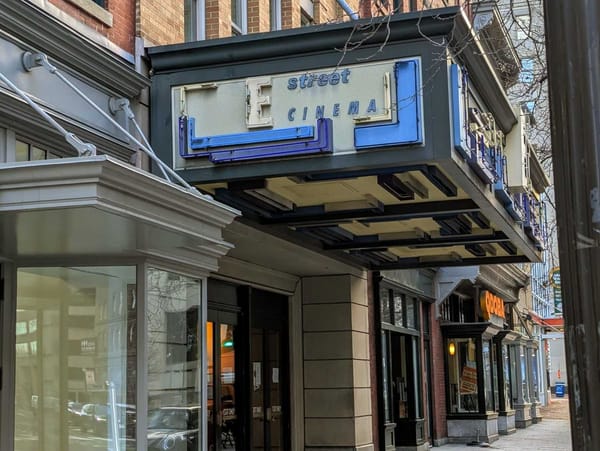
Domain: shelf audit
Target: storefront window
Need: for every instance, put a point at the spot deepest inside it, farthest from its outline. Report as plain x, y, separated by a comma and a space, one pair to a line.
514, 377
487, 376
174, 365
534, 374
399, 309
524, 381
385, 382
384, 302
411, 321
75, 374
507, 377
462, 374
401, 378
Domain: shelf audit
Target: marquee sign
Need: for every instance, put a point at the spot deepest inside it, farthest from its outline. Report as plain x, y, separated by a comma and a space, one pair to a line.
332, 110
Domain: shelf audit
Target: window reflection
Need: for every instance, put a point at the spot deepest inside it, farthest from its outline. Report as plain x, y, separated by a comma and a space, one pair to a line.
75, 359
174, 376
462, 375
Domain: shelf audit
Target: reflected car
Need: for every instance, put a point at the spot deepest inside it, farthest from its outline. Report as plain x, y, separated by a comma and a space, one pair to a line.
86, 417
126, 420
174, 429
74, 412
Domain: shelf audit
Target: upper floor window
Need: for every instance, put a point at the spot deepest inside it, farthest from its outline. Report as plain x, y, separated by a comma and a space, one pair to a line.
399, 309
193, 20
275, 13
239, 17
101, 3
28, 152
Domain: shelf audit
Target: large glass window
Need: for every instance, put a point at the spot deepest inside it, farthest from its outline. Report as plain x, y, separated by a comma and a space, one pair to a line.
534, 375
462, 375
507, 378
487, 375
75, 373
175, 379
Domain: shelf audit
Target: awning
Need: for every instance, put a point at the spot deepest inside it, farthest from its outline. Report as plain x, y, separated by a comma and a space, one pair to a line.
102, 207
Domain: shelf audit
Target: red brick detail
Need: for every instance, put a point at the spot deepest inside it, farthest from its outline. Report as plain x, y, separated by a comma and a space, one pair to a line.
122, 32
440, 428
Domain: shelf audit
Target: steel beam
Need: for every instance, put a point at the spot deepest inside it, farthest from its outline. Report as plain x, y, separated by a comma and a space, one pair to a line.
308, 215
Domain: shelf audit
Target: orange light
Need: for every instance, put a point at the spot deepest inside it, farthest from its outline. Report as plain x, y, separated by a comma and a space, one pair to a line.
451, 348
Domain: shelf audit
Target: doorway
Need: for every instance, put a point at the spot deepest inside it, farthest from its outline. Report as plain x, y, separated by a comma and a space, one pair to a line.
269, 376
247, 376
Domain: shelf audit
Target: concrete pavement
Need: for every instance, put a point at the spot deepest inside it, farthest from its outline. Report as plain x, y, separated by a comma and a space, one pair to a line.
552, 434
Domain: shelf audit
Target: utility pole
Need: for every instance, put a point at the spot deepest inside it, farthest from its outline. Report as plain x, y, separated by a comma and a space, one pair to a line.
573, 50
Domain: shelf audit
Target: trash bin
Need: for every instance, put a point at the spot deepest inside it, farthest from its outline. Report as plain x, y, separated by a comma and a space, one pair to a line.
559, 389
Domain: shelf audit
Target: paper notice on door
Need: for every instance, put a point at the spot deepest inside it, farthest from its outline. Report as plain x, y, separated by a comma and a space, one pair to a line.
275, 375
256, 375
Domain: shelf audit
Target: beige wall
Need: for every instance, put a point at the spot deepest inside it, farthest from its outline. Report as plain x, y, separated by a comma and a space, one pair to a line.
337, 395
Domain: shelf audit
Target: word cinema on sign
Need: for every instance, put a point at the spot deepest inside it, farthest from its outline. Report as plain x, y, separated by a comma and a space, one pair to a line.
328, 111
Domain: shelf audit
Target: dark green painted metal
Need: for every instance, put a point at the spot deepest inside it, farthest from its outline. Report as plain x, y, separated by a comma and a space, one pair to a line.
574, 85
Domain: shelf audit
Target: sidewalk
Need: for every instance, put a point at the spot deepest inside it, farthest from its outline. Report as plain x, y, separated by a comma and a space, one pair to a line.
552, 434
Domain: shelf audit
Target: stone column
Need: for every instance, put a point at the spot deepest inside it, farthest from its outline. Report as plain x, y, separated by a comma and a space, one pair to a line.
534, 394
337, 393
522, 406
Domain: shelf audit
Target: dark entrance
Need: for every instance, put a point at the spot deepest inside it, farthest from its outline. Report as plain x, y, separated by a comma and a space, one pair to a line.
247, 372
268, 381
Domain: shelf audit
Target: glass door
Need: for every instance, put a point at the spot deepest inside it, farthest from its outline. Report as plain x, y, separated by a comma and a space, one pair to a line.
267, 392
223, 422
268, 371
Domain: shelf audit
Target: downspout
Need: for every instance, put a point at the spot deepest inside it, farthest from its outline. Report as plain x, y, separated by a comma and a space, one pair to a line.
347, 9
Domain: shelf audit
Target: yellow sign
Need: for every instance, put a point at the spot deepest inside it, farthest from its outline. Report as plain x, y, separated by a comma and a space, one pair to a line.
491, 305
554, 276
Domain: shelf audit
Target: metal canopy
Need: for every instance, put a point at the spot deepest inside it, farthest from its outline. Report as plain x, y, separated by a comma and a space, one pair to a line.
100, 207
392, 194
410, 219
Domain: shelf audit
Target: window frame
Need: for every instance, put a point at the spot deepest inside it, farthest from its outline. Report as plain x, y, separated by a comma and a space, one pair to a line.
242, 9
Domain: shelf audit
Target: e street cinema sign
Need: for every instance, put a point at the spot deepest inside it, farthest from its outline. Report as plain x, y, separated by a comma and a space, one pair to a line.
331, 110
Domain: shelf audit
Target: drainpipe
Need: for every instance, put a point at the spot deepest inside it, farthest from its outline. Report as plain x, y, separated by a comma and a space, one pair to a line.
348, 10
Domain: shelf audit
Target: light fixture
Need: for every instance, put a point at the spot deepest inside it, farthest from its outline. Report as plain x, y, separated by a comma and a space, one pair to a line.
451, 348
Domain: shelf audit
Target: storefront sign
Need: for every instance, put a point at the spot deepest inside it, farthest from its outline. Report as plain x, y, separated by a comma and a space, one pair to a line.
491, 305
468, 380
332, 110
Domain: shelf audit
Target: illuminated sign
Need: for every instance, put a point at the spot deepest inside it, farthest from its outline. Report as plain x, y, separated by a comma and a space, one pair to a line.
491, 305
333, 110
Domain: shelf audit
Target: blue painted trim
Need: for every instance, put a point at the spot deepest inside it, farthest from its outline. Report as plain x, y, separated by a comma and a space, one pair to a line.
458, 113
205, 144
407, 129
323, 143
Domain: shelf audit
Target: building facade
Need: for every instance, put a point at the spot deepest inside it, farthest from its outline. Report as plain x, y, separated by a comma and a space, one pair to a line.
139, 314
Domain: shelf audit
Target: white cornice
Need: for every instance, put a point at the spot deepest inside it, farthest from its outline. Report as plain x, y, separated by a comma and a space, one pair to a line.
102, 205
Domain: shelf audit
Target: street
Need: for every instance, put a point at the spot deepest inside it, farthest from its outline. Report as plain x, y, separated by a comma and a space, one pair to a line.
552, 434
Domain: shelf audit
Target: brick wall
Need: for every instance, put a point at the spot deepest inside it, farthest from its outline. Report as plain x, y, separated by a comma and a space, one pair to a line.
438, 378
122, 32
259, 16
160, 22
